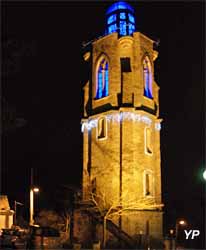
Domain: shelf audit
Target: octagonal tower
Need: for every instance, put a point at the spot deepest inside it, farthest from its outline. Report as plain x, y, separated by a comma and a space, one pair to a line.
121, 125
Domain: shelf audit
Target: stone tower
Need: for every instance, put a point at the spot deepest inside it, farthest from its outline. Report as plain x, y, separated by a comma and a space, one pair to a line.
121, 125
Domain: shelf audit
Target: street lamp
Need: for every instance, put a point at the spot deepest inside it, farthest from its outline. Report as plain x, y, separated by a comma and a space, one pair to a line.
32, 191
204, 174
15, 210
179, 223
182, 222
36, 189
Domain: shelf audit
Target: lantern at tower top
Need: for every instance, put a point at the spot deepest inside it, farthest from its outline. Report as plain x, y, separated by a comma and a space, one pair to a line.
120, 18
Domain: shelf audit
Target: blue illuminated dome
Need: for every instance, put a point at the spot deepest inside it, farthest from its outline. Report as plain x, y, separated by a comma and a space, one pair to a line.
120, 18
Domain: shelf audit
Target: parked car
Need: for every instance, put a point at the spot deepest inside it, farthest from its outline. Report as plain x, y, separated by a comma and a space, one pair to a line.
43, 237
12, 239
8, 238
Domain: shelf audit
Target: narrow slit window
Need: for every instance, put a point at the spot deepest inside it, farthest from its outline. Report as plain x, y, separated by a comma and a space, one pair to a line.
148, 141
102, 128
148, 183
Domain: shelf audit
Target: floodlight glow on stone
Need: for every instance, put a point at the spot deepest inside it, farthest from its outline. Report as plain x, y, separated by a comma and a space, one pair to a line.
130, 116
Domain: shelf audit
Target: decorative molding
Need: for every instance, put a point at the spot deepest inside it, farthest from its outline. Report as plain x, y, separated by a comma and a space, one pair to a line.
126, 42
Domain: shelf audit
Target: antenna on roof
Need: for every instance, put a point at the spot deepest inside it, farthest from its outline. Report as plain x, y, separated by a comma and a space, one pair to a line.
157, 42
85, 44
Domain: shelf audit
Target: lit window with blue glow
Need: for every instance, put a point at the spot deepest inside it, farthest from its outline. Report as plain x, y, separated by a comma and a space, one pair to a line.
112, 28
131, 18
106, 82
102, 84
122, 15
123, 28
111, 19
131, 28
100, 78
147, 69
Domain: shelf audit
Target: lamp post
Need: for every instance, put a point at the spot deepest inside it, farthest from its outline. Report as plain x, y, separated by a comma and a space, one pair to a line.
178, 223
171, 240
32, 191
15, 206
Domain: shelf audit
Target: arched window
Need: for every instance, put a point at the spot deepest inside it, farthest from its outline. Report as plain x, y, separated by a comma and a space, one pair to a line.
147, 70
102, 84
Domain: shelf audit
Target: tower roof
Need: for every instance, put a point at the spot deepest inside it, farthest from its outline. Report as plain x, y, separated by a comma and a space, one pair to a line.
120, 18
120, 5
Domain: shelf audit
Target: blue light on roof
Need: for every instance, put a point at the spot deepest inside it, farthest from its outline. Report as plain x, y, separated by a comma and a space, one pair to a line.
119, 6
111, 19
123, 28
112, 28
131, 28
120, 19
122, 15
131, 18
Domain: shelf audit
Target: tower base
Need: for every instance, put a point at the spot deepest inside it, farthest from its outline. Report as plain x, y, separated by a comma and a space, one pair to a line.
134, 230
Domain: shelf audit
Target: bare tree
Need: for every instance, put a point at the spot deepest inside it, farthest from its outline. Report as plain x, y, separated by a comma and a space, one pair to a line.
108, 208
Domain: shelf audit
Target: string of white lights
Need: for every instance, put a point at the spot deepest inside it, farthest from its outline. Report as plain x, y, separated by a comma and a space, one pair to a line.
93, 123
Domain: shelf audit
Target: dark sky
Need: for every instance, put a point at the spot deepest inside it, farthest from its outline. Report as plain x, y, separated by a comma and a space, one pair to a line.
42, 81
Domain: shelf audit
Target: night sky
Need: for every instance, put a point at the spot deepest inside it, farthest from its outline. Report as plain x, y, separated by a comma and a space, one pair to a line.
43, 75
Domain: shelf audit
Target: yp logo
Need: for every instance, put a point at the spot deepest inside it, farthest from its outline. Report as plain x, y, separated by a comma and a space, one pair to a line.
191, 234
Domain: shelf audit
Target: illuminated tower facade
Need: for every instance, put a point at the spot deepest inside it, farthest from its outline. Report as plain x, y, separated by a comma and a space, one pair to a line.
121, 124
